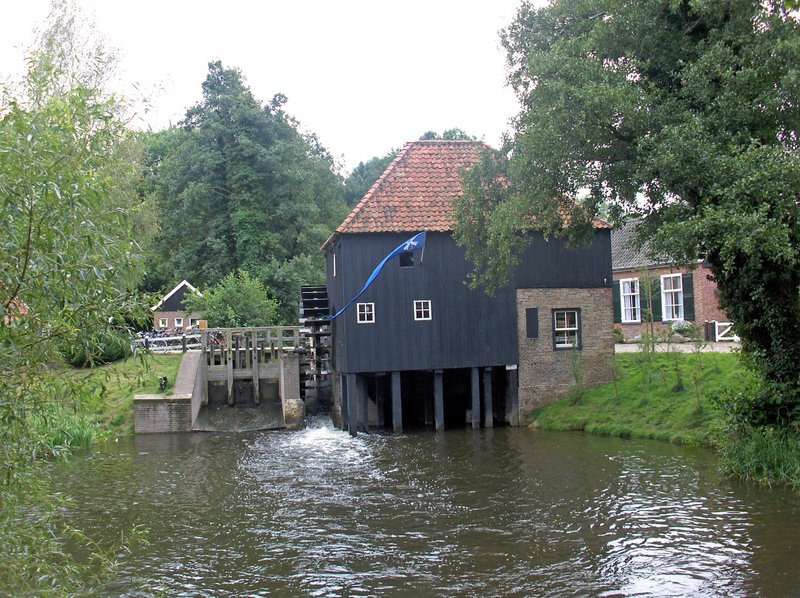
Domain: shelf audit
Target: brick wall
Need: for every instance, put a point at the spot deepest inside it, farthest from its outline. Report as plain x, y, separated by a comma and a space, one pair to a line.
171, 315
545, 374
706, 301
159, 413
294, 412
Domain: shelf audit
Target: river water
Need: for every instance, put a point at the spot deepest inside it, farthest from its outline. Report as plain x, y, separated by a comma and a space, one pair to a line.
503, 512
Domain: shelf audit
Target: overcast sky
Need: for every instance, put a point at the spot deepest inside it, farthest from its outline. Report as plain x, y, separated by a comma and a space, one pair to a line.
365, 76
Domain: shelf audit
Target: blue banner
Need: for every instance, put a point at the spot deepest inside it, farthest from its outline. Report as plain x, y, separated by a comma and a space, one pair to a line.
414, 243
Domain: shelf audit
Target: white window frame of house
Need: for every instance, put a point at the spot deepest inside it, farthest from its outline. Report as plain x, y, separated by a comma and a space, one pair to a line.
178, 322
194, 322
630, 302
422, 310
672, 298
163, 322
566, 329
365, 313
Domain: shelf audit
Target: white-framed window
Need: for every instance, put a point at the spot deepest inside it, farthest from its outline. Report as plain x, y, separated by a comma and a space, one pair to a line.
630, 304
422, 309
365, 313
671, 297
566, 329
194, 322
178, 322
162, 322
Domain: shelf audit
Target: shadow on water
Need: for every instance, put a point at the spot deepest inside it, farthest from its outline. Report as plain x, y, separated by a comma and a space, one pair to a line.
503, 512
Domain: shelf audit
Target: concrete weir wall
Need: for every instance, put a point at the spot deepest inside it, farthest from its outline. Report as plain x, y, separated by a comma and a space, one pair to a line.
177, 412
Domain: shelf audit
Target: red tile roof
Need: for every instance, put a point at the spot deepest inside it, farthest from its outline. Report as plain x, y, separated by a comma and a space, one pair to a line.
416, 191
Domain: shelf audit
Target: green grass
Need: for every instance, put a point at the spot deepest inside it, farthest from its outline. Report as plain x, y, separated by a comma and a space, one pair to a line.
764, 455
110, 388
663, 399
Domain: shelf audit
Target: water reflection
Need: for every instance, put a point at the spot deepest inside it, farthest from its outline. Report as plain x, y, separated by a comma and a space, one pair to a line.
499, 512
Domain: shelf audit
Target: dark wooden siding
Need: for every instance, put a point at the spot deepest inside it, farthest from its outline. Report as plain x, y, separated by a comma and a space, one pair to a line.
468, 328
175, 302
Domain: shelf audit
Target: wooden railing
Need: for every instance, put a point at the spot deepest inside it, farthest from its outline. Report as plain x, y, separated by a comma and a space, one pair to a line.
243, 346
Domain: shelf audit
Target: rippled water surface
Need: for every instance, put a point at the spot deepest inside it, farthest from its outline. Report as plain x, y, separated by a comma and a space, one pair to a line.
504, 512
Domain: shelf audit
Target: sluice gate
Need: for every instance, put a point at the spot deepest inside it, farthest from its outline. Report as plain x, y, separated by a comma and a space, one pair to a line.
256, 368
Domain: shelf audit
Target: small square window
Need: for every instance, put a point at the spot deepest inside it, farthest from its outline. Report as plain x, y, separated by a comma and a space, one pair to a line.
566, 328
406, 259
422, 309
162, 322
178, 322
194, 322
366, 313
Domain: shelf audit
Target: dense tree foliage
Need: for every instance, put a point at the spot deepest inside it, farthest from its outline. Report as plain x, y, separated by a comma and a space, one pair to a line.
363, 176
454, 134
68, 186
683, 111
236, 301
237, 186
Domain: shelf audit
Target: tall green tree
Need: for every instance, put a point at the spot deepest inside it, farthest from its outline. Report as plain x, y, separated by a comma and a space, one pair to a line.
68, 187
684, 111
363, 176
236, 301
238, 186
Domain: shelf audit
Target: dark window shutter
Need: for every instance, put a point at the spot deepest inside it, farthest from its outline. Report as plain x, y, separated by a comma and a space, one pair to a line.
532, 322
615, 293
688, 296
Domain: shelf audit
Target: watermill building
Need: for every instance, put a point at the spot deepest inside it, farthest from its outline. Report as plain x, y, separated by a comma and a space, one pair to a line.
420, 347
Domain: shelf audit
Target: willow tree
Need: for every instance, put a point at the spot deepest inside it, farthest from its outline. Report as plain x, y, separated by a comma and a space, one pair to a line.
67, 264
682, 111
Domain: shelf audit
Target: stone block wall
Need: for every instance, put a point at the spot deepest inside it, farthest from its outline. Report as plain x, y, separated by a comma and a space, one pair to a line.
546, 374
160, 413
294, 411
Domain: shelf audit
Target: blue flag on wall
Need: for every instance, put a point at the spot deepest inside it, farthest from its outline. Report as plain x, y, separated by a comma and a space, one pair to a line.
413, 244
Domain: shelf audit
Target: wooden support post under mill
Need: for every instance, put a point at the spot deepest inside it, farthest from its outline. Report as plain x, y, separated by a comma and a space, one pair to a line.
363, 403
397, 404
476, 399
488, 412
512, 398
438, 399
352, 405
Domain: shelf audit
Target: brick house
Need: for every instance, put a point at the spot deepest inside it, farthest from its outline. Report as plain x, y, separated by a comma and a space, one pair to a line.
422, 348
645, 285
170, 313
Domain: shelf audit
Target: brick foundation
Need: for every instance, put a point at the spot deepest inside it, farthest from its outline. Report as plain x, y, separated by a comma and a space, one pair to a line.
545, 374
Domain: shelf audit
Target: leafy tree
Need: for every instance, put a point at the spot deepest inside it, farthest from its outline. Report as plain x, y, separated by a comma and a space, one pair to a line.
363, 176
455, 134
239, 187
684, 111
68, 184
236, 301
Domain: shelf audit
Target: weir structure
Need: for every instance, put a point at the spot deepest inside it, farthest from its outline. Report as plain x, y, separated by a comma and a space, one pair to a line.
256, 368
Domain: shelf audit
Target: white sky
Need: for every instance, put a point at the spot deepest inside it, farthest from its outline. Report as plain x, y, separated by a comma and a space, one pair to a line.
364, 75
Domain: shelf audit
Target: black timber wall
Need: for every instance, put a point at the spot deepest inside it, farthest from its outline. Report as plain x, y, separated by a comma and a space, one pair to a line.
175, 303
468, 327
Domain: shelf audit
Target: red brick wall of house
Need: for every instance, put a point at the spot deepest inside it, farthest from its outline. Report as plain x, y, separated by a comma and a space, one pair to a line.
706, 303
171, 315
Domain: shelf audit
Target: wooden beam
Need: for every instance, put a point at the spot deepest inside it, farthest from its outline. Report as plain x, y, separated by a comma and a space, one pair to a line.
254, 361
512, 397
476, 399
438, 400
488, 412
229, 364
363, 403
352, 407
397, 404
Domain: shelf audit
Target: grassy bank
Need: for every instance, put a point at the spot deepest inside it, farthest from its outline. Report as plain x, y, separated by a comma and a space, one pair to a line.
101, 401
664, 396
